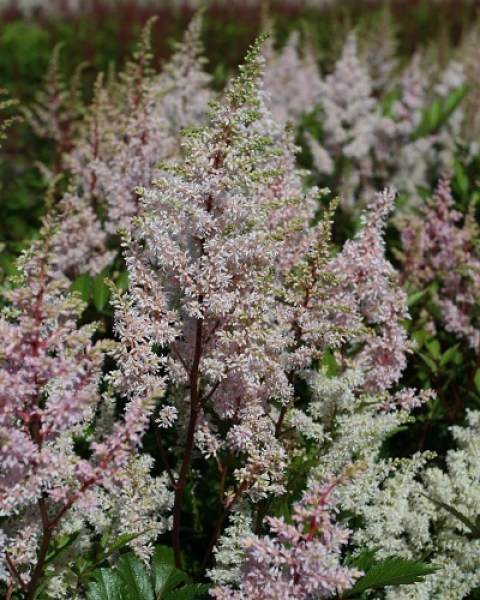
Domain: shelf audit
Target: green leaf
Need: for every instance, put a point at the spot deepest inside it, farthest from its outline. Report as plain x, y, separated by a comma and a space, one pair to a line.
165, 576
101, 292
434, 348
434, 114
428, 361
448, 355
419, 336
122, 280
472, 526
85, 570
136, 582
82, 285
329, 363
476, 380
60, 545
188, 592
451, 102
391, 571
460, 179
415, 297
439, 112
364, 561
120, 542
108, 586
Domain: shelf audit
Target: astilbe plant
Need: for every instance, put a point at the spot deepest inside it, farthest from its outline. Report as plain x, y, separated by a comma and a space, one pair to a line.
301, 560
419, 510
351, 122
439, 253
50, 371
132, 123
232, 293
269, 359
361, 138
292, 80
370, 288
201, 284
58, 109
348, 311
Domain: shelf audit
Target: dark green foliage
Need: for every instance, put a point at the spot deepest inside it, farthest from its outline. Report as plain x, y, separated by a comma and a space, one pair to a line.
387, 572
130, 580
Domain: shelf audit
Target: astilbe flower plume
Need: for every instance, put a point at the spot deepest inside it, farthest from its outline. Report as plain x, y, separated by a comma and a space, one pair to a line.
56, 113
299, 560
370, 287
292, 80
368, 140
438, 246
183, 84
49, 377
49, 374
203, 284
133, 123
351, 122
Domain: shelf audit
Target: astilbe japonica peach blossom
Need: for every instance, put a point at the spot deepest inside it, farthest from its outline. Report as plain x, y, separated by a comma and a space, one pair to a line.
300, 560
133, 123
231, 292
370, 286
201, 283
50, 372
292, 80
439, 247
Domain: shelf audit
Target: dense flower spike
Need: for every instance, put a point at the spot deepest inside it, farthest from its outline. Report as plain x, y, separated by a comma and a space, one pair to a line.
183, 85
299, 561
201, 284
369, 285
133, 123
439, 246
49, 377
350, 121
292, 80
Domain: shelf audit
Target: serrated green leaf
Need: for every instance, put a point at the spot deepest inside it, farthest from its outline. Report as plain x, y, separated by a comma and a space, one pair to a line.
391, 572
188, 592
363, 561
101, 292
120, 542
165, 576
82, 285
108, 586
135, 579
